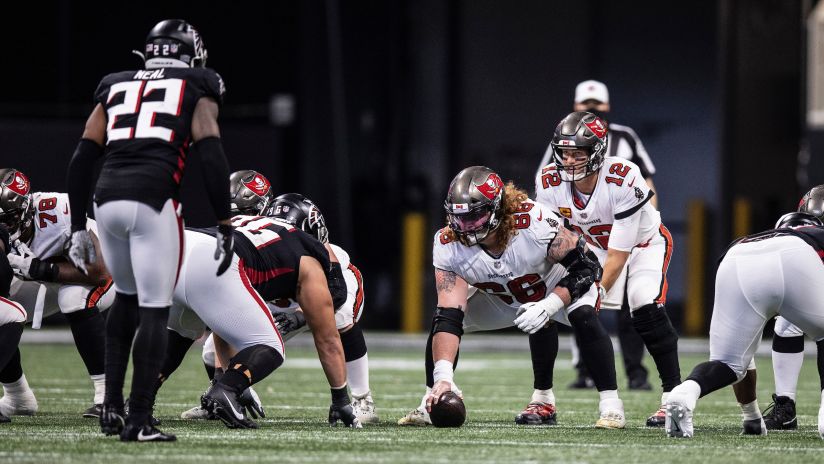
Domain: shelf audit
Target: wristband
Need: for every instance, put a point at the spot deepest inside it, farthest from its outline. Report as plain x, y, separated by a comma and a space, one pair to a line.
443, 371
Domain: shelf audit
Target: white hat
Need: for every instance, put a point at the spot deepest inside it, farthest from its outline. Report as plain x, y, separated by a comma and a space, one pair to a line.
591, 90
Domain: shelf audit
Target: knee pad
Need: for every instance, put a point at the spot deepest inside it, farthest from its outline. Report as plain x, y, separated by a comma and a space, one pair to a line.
654, 326
586, 324
788, 344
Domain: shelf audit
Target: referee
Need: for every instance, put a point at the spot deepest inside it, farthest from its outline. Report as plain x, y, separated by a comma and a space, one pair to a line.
622, 142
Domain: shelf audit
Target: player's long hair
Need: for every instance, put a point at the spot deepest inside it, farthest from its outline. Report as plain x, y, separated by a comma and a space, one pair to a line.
513, 197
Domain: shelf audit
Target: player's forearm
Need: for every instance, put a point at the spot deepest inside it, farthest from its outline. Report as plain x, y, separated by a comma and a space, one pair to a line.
330, 353
67, 273
612, 267
445, 346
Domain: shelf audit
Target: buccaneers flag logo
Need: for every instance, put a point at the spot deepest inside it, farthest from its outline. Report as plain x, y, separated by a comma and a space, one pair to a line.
597, 127
491, 187
19, 184
258, 184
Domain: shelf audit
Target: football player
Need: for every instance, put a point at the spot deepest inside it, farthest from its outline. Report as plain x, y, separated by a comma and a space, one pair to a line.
776, 272
40, 225
788, 345
504, 260
272, 260
12, 318
143, 125
606, 200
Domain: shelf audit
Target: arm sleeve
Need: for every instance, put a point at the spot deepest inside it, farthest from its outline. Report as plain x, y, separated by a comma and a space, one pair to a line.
79, 180
215, 175
624, 233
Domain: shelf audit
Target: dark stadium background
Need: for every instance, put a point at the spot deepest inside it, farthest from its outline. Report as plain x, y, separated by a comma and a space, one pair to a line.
370, 107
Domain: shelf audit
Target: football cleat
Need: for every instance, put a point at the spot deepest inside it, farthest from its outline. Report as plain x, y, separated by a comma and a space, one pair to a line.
364, 409
417, 417
821, 418
144, 433
223, 403
93, 412
612, 414
679, 420
153, 421
4, 419
780, 414
537, 413
197, 413
754, 427
658, 418
111, 420
24, 404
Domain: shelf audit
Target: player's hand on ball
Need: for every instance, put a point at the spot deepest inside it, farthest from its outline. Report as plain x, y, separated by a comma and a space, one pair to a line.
438, 389
345, 414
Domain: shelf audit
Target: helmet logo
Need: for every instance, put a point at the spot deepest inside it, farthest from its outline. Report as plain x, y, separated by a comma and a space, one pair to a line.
258, 184
19, 184
314, 216
597, 127
491, 187
458, 208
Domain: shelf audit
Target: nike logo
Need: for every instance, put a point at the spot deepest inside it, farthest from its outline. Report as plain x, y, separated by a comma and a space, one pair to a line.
66, 209
141, 437
540, 216
633, 181
238, 416
675, 427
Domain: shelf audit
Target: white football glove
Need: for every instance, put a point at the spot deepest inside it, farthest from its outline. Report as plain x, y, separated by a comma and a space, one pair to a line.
81, 250
27, 266
533, 316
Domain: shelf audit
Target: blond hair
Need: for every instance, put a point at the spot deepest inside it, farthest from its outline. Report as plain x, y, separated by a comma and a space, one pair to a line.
512, 199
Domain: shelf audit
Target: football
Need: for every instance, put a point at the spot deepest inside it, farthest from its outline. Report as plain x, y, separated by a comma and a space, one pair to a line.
449, 411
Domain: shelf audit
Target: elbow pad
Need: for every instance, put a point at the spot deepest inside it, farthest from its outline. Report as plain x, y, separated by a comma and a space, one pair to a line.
337, 285
583, 270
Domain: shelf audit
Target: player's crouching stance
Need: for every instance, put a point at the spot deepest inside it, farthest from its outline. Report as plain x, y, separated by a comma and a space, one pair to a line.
776, 272
526, 270
12, 316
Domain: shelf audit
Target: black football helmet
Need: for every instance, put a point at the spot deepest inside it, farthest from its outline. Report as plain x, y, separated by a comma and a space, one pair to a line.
301, 212
174, 43
250, 193
813, 202
16, 208
797, 219
474, 204
584, 131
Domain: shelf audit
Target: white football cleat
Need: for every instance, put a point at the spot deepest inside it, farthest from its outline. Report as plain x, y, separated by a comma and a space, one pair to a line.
612, 414
196, 413
364, 409
21, 404
821, 418
417, 417
679, 420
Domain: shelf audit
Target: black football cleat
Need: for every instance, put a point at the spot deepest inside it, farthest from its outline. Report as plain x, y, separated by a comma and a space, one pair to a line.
780, 414
754, 427
223, 403
93, 412
4, 419
537, 414
153, 421
144, 433
111, 419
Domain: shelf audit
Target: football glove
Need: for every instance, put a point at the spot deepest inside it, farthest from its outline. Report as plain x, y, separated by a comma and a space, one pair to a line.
27, 266
81, 250
250, 401
289, 322
533, 316
225, 243
341, 409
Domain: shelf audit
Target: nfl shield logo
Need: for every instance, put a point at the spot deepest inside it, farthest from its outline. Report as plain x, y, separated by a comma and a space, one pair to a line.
497, 264
584, 215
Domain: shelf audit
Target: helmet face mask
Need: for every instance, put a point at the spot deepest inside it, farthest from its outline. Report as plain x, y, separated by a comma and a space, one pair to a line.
302, 213
474, 204
250, 193
16, 207
579, 131
174, 43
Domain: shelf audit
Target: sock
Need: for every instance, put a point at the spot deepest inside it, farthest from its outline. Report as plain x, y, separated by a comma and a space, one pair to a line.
596, 347
750, 411
608, 395
357, 376
150, 341
249, 366
543, 396
543, 348
210, 371
688, 392
89, 332
664, 397
99, 382
654, 326
10, 334
18, 388
786, 368
176, 348
121, 322
13, 369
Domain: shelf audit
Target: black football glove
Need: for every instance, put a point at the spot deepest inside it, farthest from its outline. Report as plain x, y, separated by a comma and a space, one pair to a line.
225, 243
341, 409
250, 401
289, 322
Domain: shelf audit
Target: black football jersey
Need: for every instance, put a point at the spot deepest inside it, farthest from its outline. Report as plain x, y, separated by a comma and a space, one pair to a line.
813, 235
270, 252
149, 119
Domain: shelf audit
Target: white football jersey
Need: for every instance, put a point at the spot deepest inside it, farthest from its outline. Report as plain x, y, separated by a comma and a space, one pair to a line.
620, 192
53, 224
522, 273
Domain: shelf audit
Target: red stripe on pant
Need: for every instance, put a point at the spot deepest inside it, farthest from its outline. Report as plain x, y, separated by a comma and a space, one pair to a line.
15, 306
662, 294
245, 279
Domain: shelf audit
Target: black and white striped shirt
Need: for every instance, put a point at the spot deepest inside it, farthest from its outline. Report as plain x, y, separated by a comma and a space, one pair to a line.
624, 143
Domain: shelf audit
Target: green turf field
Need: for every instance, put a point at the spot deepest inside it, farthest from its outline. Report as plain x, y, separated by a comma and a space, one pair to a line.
496, 386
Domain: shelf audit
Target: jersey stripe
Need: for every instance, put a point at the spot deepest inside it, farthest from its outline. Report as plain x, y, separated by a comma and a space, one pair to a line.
245, 279
15, 306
